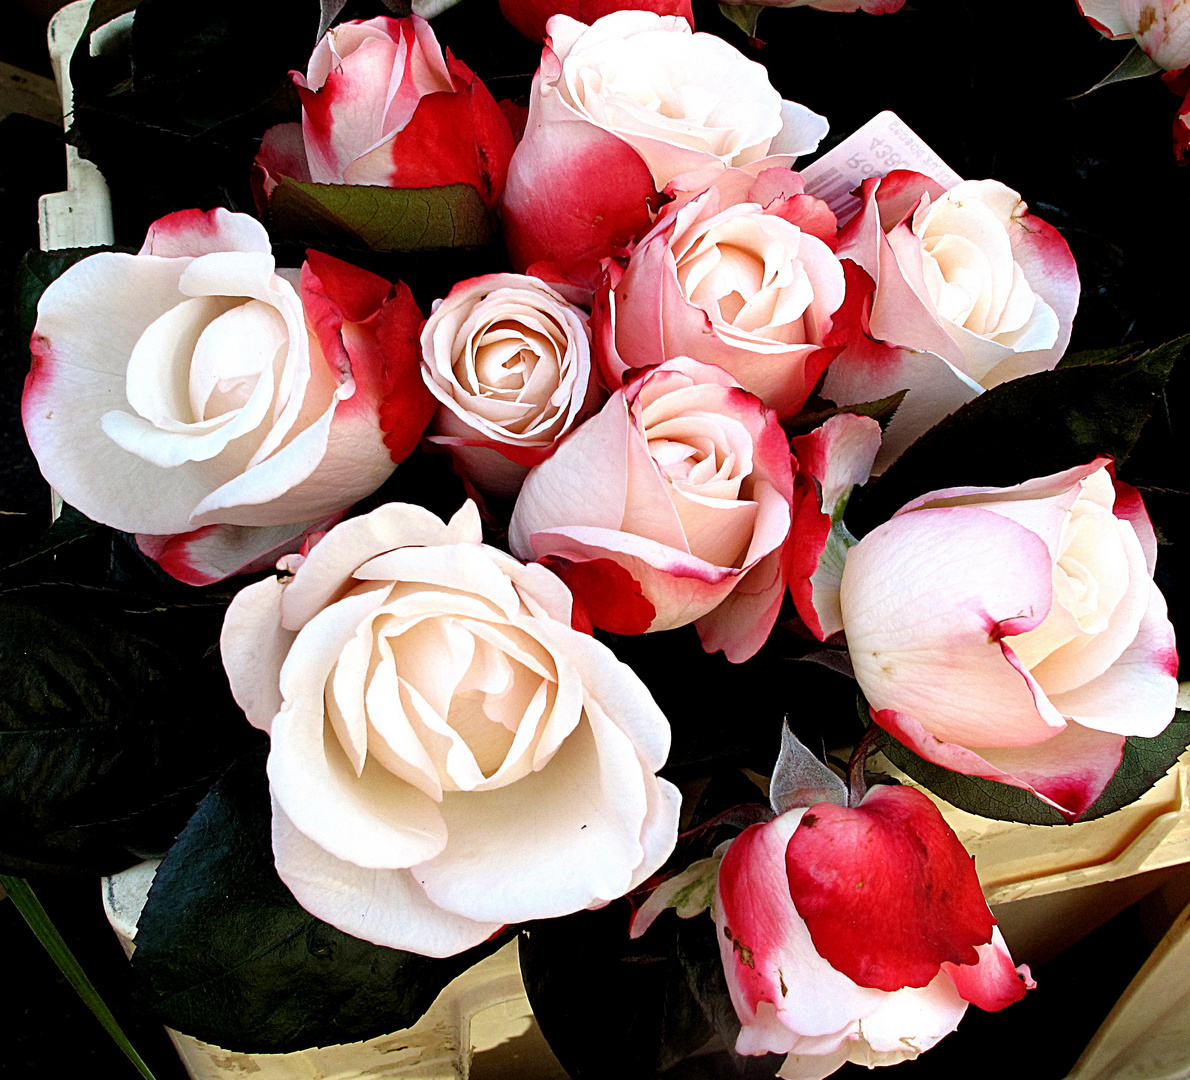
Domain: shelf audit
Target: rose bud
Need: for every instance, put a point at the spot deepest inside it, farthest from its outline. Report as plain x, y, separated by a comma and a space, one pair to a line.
970, 291
670, 506
530, 16
509, 362
1160, 27
598, 148
381, 105
1015, 633
447, 755
750, 286
856, 934
194, 393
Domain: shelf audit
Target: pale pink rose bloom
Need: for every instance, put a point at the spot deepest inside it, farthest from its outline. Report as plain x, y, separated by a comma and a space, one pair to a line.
198, 395
742, 276
970, 291
1015, 633
1160, 27
683, 482
447, 755
784, 961
509, 362
618, 110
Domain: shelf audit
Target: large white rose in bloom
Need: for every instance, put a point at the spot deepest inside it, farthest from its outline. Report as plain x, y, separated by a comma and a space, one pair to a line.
509, 362
968, 290
1160, 27
219, 407
621, 108
1016, 633
448, 755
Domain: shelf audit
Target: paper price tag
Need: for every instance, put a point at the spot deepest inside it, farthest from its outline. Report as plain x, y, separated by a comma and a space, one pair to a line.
885, 143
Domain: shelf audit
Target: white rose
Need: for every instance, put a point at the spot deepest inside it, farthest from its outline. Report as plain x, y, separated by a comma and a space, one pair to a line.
509, 362
448, 755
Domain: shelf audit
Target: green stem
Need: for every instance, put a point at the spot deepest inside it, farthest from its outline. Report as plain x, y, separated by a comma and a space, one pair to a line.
39, 922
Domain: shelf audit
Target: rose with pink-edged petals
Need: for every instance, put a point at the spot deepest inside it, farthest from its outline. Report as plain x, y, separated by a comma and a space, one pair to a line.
856, 934
970, 290
1160, 27
382, 105
1015, 633
669, 506
509, 362
618, 110
196, 395
742, 276
530, 16
447, 755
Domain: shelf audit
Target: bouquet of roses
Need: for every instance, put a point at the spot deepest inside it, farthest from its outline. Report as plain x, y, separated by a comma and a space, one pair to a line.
549, 477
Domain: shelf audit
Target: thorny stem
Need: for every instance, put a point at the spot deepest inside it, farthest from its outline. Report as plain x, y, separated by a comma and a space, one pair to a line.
855, 767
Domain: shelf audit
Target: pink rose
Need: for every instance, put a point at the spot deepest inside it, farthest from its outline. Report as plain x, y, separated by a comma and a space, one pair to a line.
856, 934
1015, 633
743, 276
381, 105
530, 16
194, 393
1160, 27
447, 755
598, 147
509, 362
670, 506
970, 291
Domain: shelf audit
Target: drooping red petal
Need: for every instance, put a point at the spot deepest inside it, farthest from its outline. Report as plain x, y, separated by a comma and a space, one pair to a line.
407, 407
994, 983
886, 889
610, 597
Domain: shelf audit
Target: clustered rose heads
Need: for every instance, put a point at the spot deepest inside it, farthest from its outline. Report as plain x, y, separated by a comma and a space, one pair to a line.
194, 394
1016, 633
452, 749
382, 105
447, 754
856, 934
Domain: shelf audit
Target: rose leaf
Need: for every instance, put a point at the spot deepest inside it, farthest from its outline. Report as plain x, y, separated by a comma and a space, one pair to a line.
225, 953
371, 218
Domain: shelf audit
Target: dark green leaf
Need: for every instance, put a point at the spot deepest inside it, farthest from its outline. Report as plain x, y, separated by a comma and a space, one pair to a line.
224, 952
1144, 762
987, 798
1098, 356
1028, 427
745, 16
1136, 65
70, 528
881, 410
380, 218
584, 975
113, 721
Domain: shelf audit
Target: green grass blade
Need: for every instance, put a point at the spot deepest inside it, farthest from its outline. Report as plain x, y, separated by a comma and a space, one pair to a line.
39, 922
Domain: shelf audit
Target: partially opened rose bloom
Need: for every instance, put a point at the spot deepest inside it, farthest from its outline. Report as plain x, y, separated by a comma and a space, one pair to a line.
621, 108
531, 16
509, 362
670, 506
447, 754
744, 279
1160, 27
856, 934
196, 395
971, 290
382, 105
1015, 633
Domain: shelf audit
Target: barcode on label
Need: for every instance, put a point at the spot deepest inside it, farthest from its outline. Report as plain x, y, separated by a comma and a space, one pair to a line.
885, 143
